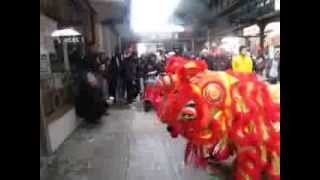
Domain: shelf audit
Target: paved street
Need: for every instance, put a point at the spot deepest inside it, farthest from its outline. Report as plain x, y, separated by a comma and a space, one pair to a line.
129, 144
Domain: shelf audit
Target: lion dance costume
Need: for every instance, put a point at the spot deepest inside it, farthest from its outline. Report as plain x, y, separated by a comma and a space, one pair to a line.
221, 114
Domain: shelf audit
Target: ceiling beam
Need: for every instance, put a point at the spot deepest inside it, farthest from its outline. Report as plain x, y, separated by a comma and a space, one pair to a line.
112, 21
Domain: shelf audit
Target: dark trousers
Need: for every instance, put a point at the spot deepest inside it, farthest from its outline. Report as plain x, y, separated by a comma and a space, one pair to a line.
121, 88
113, 86
273, 80
90, 104
129, 89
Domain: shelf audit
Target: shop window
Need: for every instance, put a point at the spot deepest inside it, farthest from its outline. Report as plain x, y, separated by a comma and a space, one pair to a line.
57, 95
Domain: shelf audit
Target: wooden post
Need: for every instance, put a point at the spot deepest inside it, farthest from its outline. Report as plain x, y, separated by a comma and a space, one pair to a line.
119, 43
262, 26
209, 40
192, 45
65, 56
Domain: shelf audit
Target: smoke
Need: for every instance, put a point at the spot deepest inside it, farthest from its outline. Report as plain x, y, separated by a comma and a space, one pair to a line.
199, 13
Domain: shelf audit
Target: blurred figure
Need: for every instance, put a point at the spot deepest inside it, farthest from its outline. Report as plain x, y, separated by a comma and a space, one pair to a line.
130, 71
150, 65
105, 78
89, 102
115, 72
221, 62
273, 69
76, 57
205, 55
242, 62
259, 65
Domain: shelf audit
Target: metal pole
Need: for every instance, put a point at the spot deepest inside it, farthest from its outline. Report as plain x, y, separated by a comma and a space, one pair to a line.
209, 40
192, 45
119, 43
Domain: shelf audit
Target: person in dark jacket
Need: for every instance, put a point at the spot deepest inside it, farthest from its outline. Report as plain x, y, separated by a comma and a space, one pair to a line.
130, 71
150, 64
89, 102
115, 69
221, 62
273, 70
259, 65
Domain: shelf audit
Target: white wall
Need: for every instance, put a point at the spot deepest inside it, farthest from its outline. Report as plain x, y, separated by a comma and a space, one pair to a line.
61, 128
100, 37
47, 26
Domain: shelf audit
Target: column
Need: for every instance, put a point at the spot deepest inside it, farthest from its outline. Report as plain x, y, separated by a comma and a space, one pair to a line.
192, 45
119, 43
262, 26
208, 39
65, 55
44, 134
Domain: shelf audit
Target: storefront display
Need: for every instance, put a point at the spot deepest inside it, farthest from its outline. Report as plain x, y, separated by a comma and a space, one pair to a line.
272, 39
55, 83
253, 39
57, 95
232, 44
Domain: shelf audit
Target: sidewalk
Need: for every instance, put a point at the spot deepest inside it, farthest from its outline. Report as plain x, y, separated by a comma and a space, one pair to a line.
129, 144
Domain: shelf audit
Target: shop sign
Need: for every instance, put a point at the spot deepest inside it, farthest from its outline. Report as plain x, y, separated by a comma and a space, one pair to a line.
71, 40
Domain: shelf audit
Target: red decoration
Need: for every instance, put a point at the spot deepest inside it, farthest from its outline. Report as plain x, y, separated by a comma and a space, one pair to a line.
220, 114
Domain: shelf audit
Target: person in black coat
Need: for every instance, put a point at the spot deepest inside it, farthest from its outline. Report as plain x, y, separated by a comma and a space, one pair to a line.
260, 65
115, 71
273, 70
130, 71
89, 102
221, 62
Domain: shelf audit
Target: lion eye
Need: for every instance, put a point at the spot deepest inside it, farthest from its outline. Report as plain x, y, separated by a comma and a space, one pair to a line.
190, 104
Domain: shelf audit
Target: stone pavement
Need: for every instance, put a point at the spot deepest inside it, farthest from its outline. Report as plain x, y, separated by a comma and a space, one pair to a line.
129, 144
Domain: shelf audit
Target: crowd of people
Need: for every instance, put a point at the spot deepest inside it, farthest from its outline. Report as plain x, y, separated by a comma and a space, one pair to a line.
219, 60
101, 80
119, 79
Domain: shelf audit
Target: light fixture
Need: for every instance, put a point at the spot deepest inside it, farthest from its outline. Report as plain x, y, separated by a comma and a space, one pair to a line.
65, 32
277, 5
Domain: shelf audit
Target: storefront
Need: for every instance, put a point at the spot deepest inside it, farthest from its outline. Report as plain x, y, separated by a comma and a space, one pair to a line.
58, 117
251, 34
56, 87
231, 44
272, 39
